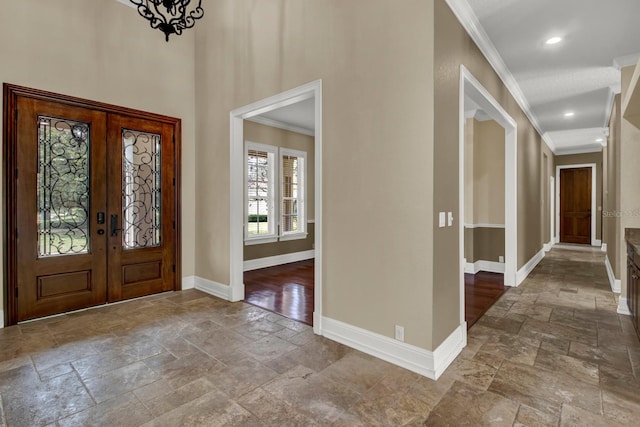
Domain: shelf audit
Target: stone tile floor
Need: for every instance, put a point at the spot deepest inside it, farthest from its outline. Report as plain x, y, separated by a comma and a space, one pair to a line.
551, 352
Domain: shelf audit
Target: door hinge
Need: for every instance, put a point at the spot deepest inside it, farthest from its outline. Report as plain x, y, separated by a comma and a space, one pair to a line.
174, 268
16, 292
174, 182
16, 173
16, 233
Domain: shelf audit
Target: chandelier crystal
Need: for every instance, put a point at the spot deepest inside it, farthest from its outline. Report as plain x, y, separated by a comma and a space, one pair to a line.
170, 16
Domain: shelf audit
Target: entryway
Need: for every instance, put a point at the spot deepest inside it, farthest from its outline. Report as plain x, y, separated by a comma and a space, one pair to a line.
576, 201
91, 202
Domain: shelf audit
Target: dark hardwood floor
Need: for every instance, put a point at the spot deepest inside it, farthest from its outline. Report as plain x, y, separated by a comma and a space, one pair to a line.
288, 290
284, 289
481, 291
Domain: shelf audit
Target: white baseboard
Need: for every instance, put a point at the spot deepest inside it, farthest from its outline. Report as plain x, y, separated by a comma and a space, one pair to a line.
623, 307
524, 272
416, 359
254, 264
188, 282
1, 319
596, 242
490, 266
212, 288
603, 248
548, 246
616, 285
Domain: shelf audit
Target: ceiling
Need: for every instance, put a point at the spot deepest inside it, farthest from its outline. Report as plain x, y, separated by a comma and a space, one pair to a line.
578, 75
298, 117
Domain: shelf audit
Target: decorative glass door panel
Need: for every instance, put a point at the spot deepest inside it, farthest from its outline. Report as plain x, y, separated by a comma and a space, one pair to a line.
141, 189
63, 187
94, 204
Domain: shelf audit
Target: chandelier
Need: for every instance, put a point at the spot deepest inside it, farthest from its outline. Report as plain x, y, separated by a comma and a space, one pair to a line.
170, 16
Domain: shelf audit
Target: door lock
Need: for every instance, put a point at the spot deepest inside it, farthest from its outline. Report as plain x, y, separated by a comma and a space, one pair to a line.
114, 225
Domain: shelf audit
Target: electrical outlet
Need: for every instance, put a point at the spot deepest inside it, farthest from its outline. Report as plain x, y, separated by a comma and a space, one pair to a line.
400, 333
500, 258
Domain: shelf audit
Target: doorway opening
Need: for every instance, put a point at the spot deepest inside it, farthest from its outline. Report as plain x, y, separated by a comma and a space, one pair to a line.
576, 204
474, 97
276, 204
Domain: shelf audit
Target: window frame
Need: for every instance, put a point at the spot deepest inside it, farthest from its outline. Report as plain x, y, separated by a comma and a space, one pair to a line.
272, 196
301, 233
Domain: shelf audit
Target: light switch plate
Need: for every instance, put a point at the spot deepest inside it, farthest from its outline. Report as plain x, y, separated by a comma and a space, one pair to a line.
442, 219
450, 219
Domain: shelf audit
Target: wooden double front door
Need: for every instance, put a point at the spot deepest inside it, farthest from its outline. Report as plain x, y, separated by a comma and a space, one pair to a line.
94, 206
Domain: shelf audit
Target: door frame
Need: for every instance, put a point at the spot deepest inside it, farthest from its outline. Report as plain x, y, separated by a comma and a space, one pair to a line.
594, 240
472, 88
236, 177
11, 93
552, 212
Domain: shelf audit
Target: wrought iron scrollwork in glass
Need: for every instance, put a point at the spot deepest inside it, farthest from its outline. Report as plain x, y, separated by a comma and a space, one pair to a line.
62, 187
141, 189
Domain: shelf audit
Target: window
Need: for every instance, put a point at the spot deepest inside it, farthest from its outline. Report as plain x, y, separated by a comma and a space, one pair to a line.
266, 220
261, 215
292, 194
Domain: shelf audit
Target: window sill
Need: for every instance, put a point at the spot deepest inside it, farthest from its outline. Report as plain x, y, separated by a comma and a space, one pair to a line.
297, 236
259, 241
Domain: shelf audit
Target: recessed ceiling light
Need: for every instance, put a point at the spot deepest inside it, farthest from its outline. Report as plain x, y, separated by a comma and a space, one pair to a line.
569, 114
554, 40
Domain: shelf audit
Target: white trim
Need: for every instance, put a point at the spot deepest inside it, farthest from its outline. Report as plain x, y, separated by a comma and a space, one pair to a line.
626, 61
1, 318
213, 288
472, 88
597, 243
552, 210
311, 221
416, 359
526, 269
294, 236
188, 282
603, 248
583, 150
547, 246
490, 266
484, 226
616, 284
259, 240
281, 125
623, 307
593, 198
255, 264
236, 144
471, 24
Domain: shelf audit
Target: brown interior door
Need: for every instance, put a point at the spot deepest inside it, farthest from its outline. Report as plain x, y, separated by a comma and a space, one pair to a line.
61, 200
95, 206
141, 219
575, 205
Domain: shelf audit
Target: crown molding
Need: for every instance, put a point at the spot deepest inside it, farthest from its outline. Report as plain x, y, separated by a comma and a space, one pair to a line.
281, 125
127, 3
626, 61
471, 24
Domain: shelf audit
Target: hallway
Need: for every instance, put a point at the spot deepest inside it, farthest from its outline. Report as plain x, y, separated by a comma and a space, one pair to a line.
552, 351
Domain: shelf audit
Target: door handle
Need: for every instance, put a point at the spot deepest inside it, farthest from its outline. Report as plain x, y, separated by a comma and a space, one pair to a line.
114, 225
100, 218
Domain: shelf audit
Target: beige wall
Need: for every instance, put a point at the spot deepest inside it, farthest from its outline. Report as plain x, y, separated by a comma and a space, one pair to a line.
546, 172
453, 47
375, 59
484, 190
269, 135
579, 159
103, 51
488, 173
629, 196
611, 190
